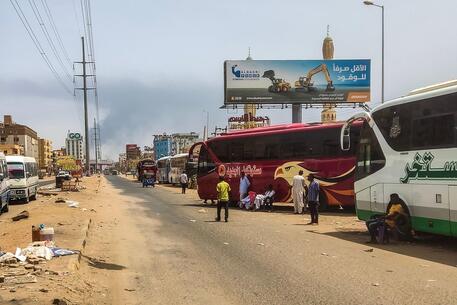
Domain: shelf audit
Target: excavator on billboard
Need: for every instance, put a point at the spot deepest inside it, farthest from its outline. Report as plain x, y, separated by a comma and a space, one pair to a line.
278, 85
305, 82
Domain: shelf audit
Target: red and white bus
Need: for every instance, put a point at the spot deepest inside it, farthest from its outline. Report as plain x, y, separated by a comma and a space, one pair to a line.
273, 155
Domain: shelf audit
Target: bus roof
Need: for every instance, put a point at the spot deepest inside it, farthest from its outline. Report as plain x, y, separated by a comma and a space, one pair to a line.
281, 128
421, 94
164, 158
21, 159
179, 156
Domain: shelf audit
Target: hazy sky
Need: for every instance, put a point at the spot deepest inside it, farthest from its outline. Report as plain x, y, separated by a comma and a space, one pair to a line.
160, 63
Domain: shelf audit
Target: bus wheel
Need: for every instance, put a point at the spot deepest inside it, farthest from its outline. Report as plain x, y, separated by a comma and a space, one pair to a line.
33, 197
5, 208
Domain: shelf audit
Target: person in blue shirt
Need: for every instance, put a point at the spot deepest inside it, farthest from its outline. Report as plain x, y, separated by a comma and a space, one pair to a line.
313, 199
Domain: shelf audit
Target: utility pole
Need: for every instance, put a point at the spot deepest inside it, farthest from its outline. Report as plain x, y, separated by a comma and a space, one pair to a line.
86, 120
96, 145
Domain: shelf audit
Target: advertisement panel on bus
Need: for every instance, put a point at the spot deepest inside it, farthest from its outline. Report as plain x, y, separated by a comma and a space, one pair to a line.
296, 81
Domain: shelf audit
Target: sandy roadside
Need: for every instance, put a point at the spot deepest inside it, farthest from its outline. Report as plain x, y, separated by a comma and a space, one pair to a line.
58, 277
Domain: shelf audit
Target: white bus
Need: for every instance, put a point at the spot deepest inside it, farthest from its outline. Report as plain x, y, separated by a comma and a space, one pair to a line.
23, 173
4, 185
408, 148
177, 167
163, 169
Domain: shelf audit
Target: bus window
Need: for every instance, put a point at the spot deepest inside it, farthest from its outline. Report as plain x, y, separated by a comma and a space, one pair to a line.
221, 150
370, 157
205, 164
395, 125
236, 151
266, 148
248, 151
434, 131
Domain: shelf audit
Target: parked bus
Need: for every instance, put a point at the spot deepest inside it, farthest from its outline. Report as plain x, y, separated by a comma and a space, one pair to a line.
163, 169
274, 155
23, 173
408, 150
146, 167
177, 167
4, 185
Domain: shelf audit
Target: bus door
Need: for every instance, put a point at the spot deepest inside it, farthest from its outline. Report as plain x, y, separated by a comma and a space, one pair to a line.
453, 208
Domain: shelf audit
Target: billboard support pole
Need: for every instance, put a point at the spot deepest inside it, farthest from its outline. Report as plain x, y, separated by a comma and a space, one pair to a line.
296, 113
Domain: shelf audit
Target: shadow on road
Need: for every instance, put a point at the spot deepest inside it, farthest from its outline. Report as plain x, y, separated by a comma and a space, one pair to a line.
438, 249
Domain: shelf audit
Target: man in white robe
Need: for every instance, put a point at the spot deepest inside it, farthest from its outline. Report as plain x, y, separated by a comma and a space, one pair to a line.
298, 189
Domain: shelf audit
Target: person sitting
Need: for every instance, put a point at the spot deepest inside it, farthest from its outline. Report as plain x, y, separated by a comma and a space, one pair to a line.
248, 201
266, 199
396, 220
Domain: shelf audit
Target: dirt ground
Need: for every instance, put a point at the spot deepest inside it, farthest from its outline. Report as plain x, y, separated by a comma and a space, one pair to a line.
59, 277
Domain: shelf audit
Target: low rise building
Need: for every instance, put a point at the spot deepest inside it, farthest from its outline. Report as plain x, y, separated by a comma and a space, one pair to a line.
13, 134
44, 153
182, 142
12, 149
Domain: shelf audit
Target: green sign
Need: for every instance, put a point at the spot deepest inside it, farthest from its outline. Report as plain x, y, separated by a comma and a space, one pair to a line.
421, 169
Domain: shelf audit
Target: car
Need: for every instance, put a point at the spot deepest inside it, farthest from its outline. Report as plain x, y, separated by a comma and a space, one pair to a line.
65, 174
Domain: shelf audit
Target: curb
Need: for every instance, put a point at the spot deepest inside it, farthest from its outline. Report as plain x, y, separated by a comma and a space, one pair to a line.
75, 262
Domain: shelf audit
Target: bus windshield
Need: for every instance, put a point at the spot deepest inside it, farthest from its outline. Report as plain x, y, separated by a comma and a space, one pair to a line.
16, 170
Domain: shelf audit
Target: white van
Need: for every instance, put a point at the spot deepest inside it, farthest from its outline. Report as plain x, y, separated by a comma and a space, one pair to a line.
4, 185
23, 173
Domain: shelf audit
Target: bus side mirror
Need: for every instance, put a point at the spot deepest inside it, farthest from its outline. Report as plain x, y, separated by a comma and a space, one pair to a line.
2, 176
345, 138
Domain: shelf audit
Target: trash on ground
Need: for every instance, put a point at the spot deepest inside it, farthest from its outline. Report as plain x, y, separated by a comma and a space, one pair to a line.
60, 200
62, 252
226, 243
369, 250
37, 251
203, 211
192, 220
260, 244
72, 204
129, 289
21, 215
19, 255
375, 284
8, 258
325, 254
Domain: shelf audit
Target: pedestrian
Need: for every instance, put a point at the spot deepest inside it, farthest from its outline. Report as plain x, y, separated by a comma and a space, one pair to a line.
223, 190
313, 199
244, 187
184, 180
298, 188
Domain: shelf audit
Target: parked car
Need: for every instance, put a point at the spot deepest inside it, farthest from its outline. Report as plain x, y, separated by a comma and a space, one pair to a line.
65, 174
4, 185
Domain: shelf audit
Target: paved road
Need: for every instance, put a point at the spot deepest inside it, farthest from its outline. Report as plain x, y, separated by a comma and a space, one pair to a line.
183, 257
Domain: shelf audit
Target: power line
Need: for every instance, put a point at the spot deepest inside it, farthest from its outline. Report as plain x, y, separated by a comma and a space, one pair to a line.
37, 44
55, 30
37, 14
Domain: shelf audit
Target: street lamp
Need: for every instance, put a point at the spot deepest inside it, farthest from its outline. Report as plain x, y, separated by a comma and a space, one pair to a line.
382, 9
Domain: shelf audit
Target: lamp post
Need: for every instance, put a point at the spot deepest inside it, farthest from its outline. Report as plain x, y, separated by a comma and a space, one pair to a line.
382, 60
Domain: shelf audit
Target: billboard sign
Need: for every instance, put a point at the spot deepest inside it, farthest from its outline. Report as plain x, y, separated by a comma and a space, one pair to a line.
296, 81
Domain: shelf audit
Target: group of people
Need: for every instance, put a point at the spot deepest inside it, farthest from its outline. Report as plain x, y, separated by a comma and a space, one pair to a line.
303, 195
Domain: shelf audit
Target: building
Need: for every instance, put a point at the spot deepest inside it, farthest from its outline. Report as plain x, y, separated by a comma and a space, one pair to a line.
162, 145
13, 135
74, 145
44, 153
182, 142
12, 149
132, 152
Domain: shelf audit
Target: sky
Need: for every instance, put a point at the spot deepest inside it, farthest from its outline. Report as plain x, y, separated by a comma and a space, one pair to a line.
160, 63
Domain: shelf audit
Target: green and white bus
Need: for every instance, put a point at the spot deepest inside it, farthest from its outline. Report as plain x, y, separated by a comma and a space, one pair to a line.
408, 147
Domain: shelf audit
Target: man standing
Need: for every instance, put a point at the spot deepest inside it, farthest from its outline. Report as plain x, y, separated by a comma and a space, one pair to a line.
184, 180
223, 190
298, 187
244, 186
313, 199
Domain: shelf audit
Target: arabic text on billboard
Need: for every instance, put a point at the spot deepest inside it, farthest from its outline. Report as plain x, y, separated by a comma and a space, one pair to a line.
297, 81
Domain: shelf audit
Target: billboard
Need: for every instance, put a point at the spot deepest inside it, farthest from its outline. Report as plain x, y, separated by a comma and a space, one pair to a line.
296, 81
